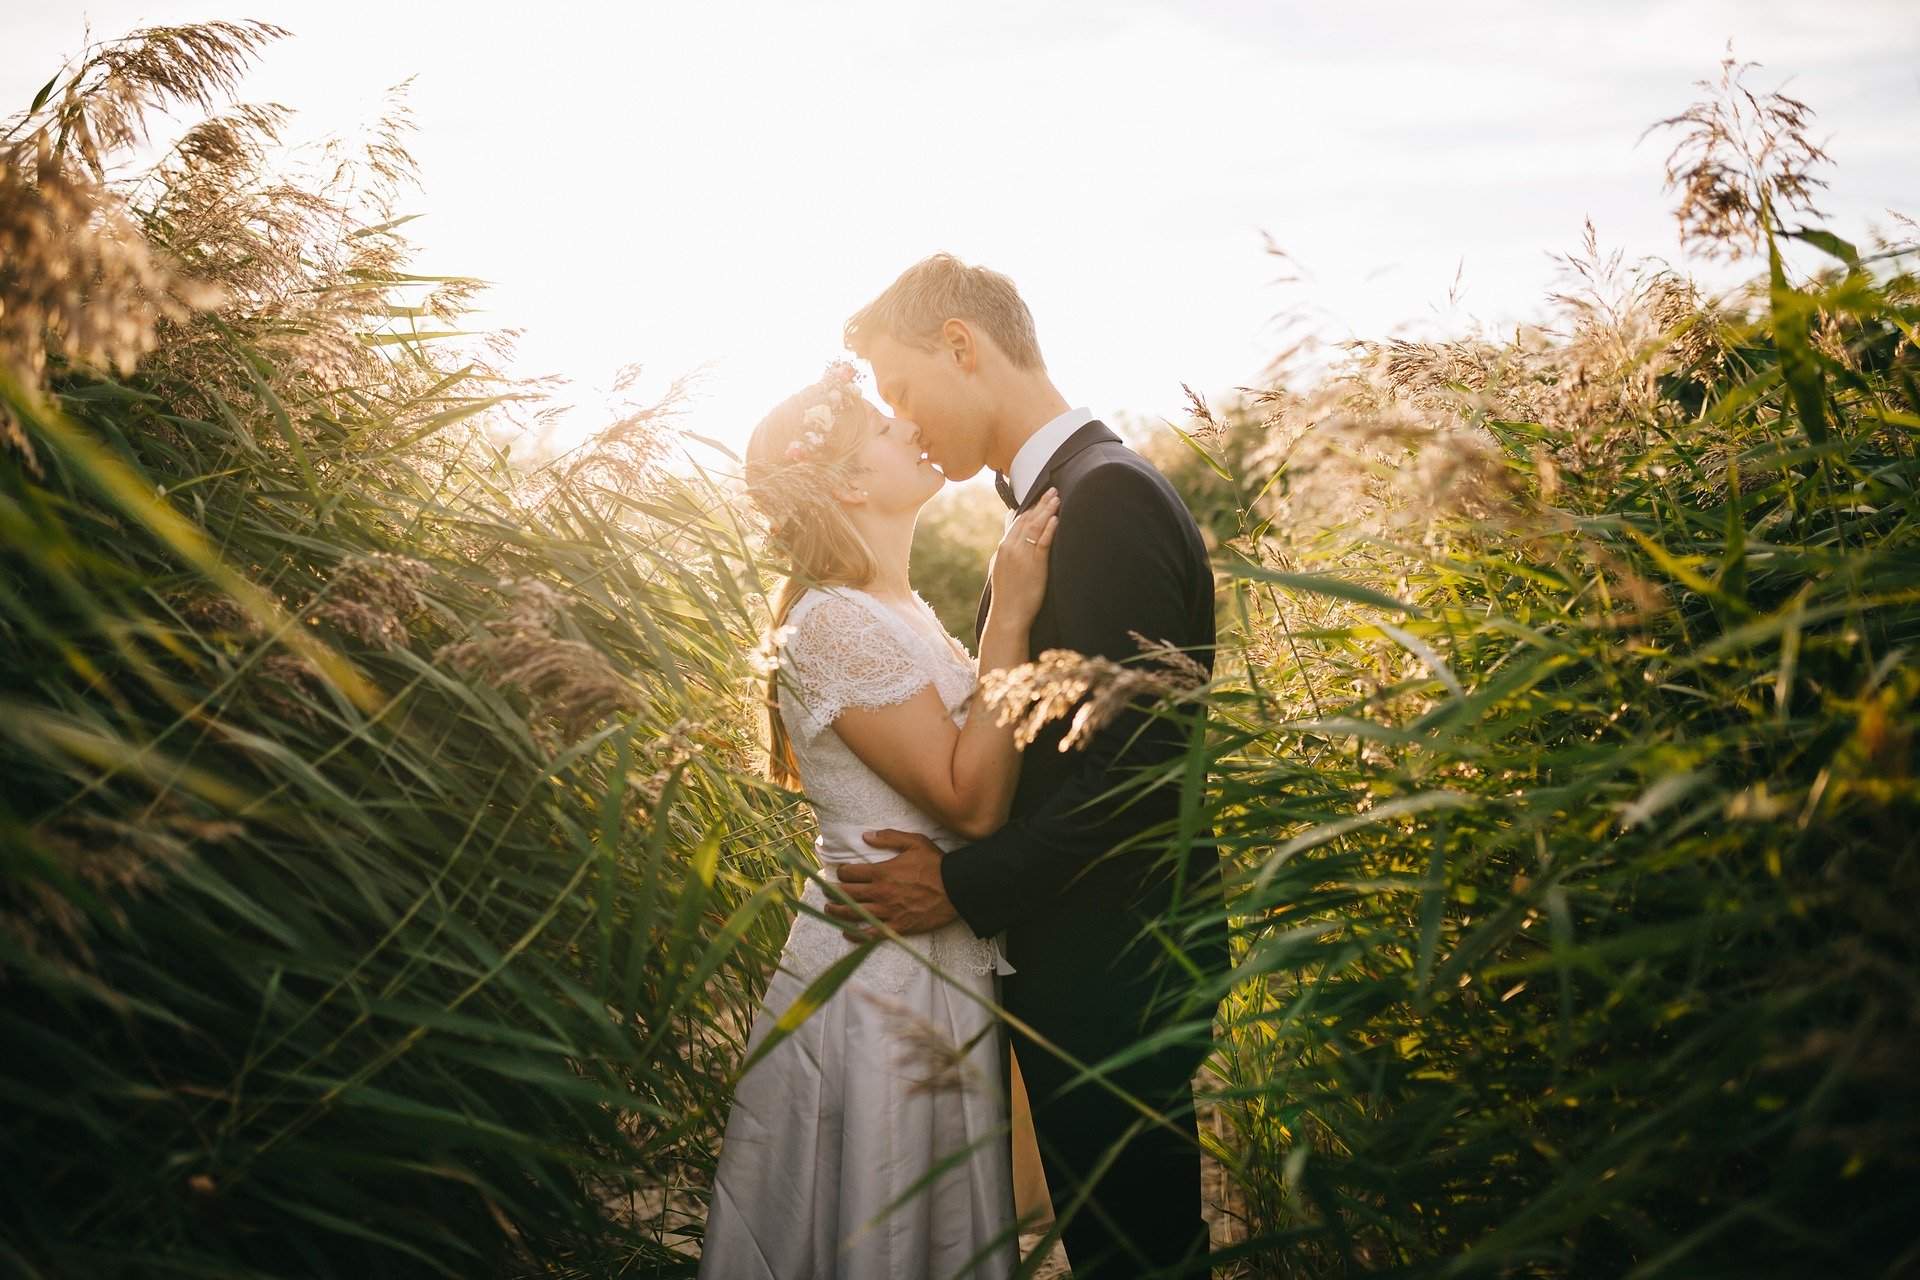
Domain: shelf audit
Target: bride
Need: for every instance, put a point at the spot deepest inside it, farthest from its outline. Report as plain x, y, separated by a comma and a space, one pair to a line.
872, 1140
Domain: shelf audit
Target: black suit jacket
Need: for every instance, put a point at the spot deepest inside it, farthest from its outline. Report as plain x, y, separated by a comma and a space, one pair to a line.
1073, 903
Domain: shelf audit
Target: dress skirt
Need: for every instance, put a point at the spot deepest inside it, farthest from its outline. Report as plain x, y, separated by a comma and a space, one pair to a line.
871, 1143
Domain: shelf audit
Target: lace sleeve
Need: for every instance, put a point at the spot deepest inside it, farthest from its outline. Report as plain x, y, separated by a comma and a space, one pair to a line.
841, 654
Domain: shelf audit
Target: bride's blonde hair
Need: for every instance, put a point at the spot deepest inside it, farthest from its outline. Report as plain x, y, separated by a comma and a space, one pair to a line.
798, 463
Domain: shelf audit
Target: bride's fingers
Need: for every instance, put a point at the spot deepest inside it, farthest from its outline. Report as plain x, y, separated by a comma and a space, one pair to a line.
1045, 539
1041, 509
1035, 518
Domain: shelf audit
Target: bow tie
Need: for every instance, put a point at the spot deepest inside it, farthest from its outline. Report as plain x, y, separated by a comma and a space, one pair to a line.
1004, 487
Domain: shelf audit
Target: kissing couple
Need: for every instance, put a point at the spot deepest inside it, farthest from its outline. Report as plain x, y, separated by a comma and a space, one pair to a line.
999, 895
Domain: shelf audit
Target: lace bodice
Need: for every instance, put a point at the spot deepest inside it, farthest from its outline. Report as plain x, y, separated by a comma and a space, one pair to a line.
846, 649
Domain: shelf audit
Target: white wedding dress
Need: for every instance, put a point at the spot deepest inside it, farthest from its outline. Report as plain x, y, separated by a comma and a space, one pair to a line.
895, 1083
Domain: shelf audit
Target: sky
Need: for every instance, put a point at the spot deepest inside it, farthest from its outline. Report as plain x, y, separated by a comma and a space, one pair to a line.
718, 184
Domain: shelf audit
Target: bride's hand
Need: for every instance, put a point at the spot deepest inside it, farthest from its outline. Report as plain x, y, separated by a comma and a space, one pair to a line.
1019, 569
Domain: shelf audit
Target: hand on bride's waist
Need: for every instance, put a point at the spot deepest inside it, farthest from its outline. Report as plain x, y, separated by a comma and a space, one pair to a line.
902, 893
845, 842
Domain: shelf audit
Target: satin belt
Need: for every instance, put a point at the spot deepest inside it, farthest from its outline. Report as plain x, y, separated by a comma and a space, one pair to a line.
841, 842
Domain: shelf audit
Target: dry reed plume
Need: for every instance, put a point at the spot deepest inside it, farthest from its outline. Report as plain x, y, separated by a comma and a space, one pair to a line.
939, 1064
1397, 437
1094, 690
232, 232
625, 455
79, 280
112, 858
569, 684
1742, 163
371, 597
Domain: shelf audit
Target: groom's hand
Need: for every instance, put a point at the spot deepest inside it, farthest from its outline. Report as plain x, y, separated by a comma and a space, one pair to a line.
905, 894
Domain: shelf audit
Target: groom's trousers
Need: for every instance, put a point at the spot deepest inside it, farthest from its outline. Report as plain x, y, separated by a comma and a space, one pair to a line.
1126, 1188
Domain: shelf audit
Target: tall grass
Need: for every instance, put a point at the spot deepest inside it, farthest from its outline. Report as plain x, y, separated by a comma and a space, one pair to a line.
364, 908
1571, 788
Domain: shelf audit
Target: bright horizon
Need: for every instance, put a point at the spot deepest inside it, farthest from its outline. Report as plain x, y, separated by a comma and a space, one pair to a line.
722, 185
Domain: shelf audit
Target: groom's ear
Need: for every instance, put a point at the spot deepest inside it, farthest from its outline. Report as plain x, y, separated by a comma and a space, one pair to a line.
958, 345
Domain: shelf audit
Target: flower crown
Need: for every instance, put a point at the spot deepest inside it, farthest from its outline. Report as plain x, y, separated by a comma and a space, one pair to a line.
783, 489
840, 391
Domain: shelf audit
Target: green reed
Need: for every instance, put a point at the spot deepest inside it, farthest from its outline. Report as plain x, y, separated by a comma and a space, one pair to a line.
387, 882
1574, 828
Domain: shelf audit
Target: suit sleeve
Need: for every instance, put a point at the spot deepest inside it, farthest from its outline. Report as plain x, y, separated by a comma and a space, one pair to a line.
1119, 565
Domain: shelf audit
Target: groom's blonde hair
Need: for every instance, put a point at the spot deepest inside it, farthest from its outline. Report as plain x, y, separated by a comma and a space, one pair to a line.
941, 288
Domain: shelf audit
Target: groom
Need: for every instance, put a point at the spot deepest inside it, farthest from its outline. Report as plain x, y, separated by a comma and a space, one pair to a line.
1087, 905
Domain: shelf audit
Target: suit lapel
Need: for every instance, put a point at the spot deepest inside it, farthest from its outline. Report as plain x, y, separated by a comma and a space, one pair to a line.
1095, 432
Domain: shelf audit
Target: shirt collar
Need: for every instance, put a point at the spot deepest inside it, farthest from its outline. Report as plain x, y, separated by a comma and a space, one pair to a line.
1040, 448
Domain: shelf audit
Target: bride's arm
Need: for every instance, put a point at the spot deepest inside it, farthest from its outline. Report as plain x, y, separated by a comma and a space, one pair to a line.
964, 776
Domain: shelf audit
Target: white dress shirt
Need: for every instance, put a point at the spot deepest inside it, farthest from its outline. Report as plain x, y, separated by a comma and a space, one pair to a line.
1040, 447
